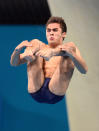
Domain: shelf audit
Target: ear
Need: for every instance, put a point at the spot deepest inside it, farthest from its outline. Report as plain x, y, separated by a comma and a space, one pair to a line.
64, 34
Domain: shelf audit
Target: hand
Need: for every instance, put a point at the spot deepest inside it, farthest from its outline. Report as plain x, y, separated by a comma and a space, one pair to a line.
23, 44
46, 53
69, 49
28, 55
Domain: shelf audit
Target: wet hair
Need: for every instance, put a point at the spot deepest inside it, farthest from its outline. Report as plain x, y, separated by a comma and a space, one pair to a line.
58, 20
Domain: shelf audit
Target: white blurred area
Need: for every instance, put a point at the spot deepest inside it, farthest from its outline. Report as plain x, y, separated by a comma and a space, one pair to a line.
82, 18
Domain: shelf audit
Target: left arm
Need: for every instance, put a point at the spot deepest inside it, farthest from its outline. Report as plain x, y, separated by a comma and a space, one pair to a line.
79, 62
64, 50
73, 52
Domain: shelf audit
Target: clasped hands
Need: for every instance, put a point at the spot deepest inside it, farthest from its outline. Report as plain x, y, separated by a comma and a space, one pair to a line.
48, 52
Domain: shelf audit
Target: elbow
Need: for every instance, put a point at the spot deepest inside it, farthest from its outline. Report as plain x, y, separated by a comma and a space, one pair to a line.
84, 71
12, 63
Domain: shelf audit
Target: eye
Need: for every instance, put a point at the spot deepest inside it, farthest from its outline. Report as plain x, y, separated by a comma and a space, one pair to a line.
55, 29
48, 30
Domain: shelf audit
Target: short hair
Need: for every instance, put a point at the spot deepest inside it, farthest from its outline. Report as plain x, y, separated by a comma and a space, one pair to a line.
58, 20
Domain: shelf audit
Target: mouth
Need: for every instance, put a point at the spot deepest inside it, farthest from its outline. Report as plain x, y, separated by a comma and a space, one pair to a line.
51, 38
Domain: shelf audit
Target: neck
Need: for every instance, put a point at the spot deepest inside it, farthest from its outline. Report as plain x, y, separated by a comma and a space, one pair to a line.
54, 45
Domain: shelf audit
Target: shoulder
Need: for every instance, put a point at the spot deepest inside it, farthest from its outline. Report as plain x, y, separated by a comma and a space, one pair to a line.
70, 44
36, 41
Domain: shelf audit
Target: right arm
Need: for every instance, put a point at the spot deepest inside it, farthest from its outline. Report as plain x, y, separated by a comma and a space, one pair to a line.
17, 58
32, 47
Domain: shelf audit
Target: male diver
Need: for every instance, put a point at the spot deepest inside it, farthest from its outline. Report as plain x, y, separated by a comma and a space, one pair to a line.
49, 67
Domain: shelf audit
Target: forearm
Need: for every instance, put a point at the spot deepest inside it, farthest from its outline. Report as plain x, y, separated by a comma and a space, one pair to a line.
77, 60
79, 63
58, 52
15, 57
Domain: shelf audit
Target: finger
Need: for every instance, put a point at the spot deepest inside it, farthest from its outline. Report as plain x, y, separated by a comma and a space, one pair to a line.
29, 45
63, 49
25, 41
59, 47
37, 53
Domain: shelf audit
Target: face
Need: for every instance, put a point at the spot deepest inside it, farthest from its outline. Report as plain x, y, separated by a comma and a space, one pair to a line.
54, 34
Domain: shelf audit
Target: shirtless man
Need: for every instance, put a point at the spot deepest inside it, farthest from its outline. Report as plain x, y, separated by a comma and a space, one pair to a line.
49, 67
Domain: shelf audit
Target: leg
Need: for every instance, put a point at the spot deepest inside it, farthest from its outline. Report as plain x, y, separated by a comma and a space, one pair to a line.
55, 85
61, 77
45, 96
35, 75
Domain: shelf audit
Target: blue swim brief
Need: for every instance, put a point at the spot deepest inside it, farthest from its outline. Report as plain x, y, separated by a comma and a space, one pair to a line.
44, 95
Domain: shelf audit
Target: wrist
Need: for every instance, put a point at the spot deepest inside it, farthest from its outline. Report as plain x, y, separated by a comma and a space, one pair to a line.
56, 51
17, 49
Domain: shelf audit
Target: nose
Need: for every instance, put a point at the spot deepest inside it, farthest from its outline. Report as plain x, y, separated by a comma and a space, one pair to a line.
51, 32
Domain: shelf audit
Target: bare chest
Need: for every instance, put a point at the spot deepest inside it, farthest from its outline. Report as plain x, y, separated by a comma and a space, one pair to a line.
50, 66
52, 63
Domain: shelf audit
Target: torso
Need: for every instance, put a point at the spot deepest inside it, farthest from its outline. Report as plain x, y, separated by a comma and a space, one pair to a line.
50, 66
59, 69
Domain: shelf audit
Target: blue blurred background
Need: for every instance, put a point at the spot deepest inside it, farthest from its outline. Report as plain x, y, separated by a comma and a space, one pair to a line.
18, 111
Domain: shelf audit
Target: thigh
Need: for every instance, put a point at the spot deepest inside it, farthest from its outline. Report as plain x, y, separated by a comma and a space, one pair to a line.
37, 96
